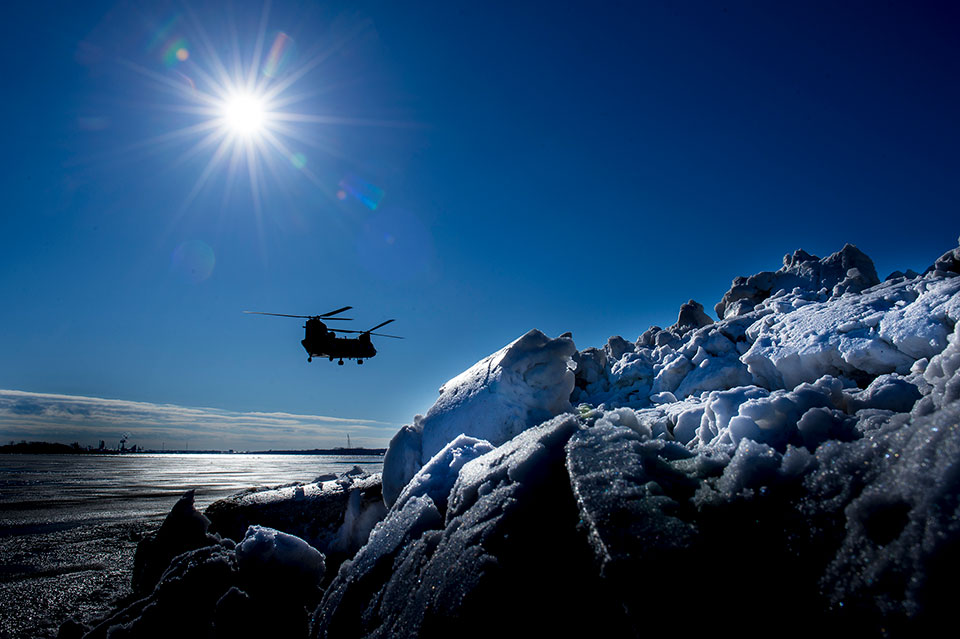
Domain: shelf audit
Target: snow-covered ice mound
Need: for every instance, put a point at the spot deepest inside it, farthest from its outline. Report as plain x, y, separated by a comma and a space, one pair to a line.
792, 464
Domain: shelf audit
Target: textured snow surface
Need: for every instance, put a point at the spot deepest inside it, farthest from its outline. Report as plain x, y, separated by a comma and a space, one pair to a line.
505, 556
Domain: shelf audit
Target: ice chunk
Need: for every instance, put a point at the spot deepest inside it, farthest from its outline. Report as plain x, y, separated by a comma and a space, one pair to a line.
184, 529
523, 384
949, 262
341, 513
920, 327
848, 270
268, 555
942, 373
887, 392
664, 397
671, 373
359, 518
691, 317
402, 460
806, 344
438, 475
714, 373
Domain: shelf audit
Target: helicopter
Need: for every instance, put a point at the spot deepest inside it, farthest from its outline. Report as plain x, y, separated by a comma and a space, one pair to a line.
319, 341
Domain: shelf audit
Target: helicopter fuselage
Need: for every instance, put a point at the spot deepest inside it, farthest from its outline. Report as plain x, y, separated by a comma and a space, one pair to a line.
320, 342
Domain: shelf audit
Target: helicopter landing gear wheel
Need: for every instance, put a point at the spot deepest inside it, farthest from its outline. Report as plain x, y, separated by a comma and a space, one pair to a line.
359, 361
310, 359
340, 363
331, 358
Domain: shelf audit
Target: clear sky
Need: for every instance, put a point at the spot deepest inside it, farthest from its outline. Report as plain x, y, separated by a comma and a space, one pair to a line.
472, 169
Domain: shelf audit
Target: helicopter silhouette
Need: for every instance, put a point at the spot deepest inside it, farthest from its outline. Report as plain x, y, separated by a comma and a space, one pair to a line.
320, 341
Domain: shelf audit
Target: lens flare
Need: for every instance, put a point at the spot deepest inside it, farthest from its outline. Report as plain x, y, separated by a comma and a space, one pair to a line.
369, 194
175, 52
193, 260
279, 55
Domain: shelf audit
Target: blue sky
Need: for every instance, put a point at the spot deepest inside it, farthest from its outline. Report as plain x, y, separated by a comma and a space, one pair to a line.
473, 170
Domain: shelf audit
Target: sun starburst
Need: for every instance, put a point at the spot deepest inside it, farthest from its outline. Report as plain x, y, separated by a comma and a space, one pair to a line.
240, 106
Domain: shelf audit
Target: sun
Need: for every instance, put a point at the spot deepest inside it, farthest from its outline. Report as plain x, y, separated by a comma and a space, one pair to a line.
244, 115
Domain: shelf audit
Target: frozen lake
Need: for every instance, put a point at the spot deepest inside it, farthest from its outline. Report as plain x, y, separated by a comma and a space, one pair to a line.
69, 524
64, 490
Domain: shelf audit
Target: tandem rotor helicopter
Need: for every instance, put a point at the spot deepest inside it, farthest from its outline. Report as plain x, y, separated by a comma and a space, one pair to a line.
319, 341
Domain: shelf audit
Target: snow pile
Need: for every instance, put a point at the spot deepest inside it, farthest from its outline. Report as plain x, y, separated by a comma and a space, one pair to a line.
848, 270
779, 330
519, 386
800, 453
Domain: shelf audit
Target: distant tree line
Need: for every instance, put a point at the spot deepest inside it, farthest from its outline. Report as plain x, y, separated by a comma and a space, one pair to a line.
47, 448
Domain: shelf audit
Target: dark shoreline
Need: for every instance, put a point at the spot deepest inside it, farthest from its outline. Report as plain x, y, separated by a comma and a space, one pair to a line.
48, 448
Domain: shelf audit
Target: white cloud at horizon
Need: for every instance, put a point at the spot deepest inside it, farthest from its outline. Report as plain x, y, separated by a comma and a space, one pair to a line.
74, 418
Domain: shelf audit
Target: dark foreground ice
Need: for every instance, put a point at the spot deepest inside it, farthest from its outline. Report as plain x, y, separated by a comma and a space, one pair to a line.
70, 524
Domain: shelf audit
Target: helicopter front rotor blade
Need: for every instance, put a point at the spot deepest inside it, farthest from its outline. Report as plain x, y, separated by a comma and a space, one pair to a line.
305, 316
277, 314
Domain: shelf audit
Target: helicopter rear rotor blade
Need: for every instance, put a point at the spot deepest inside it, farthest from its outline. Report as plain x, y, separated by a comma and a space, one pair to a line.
345, 330
339, 310
378, 326
370, 331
